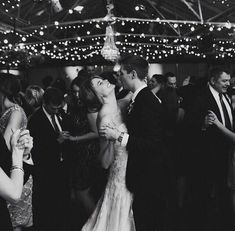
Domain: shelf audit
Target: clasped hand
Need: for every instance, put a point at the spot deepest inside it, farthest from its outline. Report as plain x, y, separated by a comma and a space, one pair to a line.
22, 141
109, 132
211, 119
63, 135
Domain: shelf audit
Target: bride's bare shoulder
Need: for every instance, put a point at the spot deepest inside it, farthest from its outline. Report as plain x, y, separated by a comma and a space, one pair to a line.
103, 118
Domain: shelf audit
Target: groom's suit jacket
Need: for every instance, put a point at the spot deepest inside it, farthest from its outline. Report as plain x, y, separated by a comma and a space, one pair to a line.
145, 129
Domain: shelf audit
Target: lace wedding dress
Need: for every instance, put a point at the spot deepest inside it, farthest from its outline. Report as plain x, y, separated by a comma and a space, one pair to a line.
114, 210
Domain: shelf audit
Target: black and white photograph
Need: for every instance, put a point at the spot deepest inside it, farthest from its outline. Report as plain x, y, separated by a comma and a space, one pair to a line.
117, 115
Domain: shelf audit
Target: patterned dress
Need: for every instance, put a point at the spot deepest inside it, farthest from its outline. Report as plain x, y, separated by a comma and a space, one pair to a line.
114, 210
21, 212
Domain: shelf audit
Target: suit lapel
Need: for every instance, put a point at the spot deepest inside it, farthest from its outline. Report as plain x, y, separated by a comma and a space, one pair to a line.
132, 117
231, 107
46, 122
212, 105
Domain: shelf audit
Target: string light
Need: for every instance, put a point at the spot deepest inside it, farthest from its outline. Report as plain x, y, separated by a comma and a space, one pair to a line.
88, 44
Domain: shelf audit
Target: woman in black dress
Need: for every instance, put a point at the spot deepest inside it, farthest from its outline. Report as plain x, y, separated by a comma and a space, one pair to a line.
83, 146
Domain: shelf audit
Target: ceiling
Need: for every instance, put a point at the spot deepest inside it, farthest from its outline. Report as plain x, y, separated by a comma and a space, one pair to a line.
52, 32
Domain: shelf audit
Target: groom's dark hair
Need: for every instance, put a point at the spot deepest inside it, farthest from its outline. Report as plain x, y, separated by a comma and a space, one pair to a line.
137, 63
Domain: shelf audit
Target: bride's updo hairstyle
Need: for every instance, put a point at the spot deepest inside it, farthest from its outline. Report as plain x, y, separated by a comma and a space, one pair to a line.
88, 95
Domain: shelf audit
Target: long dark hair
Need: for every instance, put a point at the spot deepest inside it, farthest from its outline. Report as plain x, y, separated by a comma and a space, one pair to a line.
88, 95
10, 87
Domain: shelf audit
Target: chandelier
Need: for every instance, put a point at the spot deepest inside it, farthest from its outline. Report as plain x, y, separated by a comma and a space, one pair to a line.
110, 51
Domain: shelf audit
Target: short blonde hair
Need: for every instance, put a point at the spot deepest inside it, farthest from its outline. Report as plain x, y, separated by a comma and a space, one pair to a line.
34, 95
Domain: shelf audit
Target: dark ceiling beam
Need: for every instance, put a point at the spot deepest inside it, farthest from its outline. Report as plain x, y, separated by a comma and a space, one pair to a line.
11, 16
163, 17
191, 9
172, 12
227, 12
212, 8
29, 11
67, 13
177, 10
19, 28
212, 19
200, 10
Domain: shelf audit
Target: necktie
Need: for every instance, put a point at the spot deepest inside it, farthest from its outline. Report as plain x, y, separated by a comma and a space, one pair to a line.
57, 130
225, 112
130, 106
55, 125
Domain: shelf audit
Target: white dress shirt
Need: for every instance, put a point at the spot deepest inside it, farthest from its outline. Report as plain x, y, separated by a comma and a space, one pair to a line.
49, 118
217, 99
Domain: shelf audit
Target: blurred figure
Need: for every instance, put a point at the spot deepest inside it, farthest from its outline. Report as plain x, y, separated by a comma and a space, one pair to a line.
13, 117
189, 80
60, 84
157, 84
171, 103
33, 97
170, 80
47, 81
173, 115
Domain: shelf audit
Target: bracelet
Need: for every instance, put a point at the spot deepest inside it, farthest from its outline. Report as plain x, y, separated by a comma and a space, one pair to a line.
14, 167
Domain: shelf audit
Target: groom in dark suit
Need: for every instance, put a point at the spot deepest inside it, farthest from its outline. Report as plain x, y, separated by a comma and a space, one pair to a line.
144, 176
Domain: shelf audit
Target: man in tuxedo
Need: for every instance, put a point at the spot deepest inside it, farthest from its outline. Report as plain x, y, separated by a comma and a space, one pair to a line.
145, 175
50, 189
210, 151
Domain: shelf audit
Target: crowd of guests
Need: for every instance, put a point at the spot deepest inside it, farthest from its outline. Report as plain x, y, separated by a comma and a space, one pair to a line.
56, 162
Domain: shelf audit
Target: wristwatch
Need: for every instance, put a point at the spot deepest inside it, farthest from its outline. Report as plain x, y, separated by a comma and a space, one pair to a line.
28, 156
120, 137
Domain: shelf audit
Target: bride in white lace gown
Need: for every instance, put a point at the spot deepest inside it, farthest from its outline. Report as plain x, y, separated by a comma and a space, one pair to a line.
114, 209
